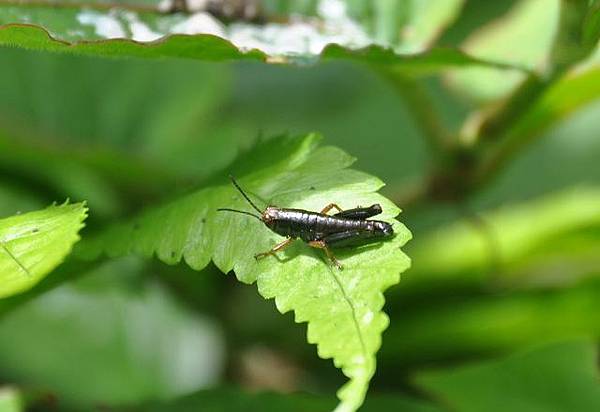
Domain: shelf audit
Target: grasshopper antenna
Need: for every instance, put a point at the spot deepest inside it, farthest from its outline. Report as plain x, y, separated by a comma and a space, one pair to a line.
222, 209
244, 194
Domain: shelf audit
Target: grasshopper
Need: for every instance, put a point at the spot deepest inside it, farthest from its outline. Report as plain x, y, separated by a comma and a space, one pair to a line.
319, 229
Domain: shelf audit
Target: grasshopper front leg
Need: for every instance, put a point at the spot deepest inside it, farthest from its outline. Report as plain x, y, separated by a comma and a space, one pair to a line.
277, 248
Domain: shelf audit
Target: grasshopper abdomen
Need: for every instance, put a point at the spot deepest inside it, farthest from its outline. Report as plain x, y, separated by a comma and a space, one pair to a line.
310, 226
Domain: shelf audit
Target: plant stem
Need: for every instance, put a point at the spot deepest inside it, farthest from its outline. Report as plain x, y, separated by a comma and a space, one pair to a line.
462, 168
419, 104
568, 49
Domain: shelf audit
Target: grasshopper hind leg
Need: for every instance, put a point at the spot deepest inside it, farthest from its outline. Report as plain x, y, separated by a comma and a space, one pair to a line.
321, 244
330, 206
360, 213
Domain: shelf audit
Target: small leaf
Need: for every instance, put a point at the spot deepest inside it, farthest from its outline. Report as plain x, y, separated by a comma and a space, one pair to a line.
33, 244
342, 308
559, 377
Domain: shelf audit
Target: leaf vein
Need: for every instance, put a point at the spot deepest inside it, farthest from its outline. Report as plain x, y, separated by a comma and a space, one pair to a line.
353, 313
13, 257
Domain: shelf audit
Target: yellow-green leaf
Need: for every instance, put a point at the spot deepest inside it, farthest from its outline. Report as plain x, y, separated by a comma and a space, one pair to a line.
33, 244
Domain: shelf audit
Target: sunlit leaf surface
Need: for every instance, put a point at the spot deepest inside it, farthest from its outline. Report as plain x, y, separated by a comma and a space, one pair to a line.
342, 308
32, 244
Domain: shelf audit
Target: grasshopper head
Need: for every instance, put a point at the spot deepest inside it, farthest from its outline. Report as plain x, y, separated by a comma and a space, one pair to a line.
270, 215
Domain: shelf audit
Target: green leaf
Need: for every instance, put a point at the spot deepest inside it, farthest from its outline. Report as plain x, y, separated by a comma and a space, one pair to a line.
568, 94
488, 324
576, 37
205, 47
560, 377
153, 35
11, 400
410, 26
342, 308
591, 24
154, 122
232, 400
33, 244
429, 62
425, 22
530, 24
518, 237
119, 322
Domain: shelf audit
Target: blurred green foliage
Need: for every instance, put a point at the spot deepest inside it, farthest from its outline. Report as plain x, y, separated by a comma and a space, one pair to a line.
510, 264
559, 377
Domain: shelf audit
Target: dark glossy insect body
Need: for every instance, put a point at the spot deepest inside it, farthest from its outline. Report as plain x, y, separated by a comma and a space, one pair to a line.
340, 229
319, 229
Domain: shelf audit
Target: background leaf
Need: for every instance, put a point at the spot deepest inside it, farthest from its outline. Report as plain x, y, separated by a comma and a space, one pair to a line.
591, 28
532, 24
559, 377
343, 309
206, 47
568, 94
232, 400
33, 244
409, 26
475, 325
123, 33
11, 400
419, 64
139, 340
483, 251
